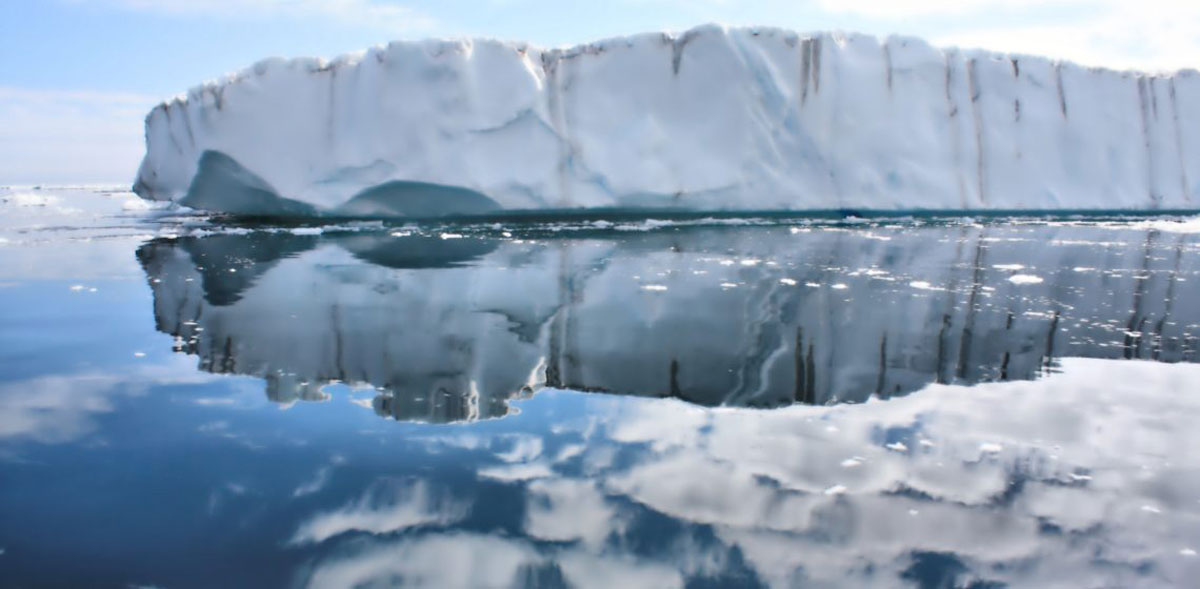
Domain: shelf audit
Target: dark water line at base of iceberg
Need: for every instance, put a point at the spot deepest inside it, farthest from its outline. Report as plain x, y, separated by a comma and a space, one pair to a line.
626, 215
229, 189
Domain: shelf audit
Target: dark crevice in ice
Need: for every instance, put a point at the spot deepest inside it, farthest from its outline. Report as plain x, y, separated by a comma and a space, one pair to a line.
1062, 97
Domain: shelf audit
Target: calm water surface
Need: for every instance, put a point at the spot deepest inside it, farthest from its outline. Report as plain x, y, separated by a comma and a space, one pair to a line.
785, 403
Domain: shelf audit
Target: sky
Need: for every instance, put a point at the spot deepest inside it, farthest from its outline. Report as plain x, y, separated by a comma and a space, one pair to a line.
78, 76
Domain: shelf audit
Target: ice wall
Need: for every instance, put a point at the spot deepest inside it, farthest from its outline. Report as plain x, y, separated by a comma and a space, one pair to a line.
714, 119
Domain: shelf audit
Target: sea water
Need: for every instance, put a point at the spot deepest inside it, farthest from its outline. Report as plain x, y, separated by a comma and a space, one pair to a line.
189, 401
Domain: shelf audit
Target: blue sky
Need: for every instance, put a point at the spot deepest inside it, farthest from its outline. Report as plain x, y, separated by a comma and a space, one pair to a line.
77, 76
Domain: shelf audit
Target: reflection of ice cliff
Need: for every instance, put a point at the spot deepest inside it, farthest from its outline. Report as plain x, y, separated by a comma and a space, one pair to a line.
450, 329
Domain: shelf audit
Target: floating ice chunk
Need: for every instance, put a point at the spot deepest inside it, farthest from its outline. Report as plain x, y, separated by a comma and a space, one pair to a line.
922, 285
1151, 509
852, 462
136, 204
835, 490
31, 199
897, 447
654, 287
839, 286
1025, 279
1188, 225
990, 448
787, 281
1009, 266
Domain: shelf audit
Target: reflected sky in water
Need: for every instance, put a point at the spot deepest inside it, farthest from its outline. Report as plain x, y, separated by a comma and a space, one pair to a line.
736, 403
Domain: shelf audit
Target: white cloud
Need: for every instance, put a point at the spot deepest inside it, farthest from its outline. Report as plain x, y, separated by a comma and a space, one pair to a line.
907, 8
1153, 37
70, 136
1150, 35
377, 14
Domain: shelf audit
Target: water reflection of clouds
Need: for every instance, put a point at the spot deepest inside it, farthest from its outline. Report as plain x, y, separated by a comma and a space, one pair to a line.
388, 506
1083, 478
62, 408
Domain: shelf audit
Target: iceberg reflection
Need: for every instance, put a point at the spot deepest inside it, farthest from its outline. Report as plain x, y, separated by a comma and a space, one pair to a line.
450, 324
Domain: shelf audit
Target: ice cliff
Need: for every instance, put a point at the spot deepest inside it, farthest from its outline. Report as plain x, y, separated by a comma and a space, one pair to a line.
714, 119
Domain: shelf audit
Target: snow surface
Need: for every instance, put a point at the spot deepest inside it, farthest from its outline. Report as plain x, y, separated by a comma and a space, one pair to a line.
714, 119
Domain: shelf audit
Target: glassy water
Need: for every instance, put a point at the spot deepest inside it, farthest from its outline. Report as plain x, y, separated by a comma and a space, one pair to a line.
737, 402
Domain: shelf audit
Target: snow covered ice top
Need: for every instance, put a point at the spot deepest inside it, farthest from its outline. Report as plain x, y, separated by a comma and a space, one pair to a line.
714, 119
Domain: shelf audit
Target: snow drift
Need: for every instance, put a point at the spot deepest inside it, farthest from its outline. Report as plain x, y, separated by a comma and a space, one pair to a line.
714, 119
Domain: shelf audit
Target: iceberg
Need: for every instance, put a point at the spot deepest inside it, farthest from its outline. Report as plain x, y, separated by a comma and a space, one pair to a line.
716, 120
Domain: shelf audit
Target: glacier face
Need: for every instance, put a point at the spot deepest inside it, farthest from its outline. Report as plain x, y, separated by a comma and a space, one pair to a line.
714, 119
